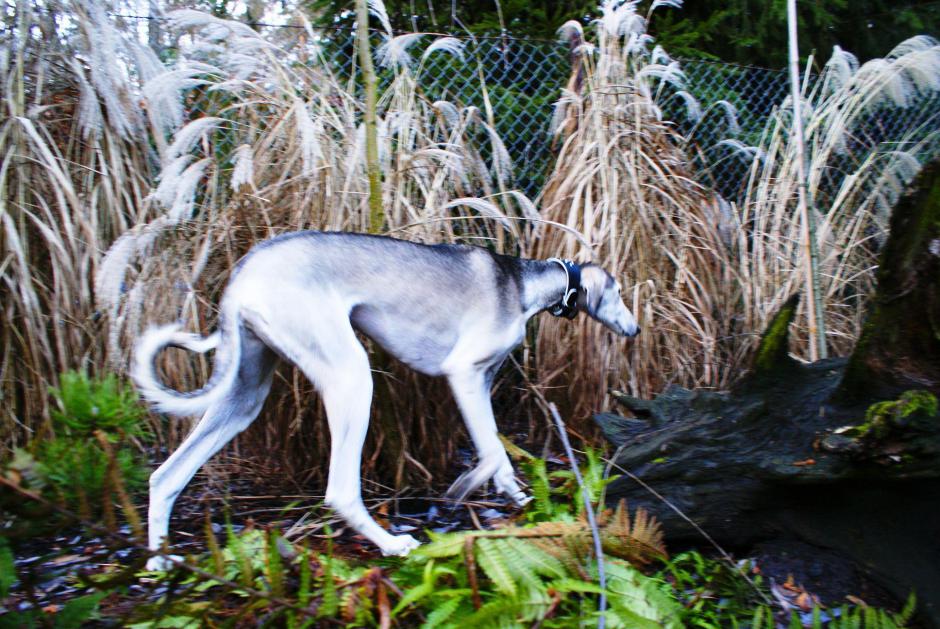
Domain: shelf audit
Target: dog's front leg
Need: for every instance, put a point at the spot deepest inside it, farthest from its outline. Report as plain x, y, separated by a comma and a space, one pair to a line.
472, 392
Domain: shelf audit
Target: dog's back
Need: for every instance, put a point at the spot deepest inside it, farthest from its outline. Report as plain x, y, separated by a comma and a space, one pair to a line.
411, 298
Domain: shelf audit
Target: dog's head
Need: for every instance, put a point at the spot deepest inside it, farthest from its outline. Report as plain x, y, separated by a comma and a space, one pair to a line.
600, 299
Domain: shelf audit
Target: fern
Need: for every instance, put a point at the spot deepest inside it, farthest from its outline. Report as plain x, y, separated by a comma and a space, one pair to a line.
303, 591
533, 560
763, 618
329, 603
441, 545
422, 590
236, 550
500, 612
7, 568
542, 507
531, 570
907, 612
637, 542
634, 593
274, 568
440, 614
495, 566
215, 551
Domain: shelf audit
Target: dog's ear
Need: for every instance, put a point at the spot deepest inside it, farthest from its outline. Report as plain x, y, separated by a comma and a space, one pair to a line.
593, 282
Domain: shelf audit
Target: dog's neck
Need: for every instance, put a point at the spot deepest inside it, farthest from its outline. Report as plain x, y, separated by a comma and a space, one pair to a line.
544, 284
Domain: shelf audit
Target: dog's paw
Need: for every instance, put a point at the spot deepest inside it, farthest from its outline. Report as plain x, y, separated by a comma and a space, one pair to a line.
521, 499
400, 545
162, 564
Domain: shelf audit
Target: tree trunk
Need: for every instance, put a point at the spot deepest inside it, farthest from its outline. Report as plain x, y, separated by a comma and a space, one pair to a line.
838, 453
370, 86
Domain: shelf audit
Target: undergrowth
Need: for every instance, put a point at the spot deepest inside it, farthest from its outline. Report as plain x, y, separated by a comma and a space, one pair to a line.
537, 571
88, 458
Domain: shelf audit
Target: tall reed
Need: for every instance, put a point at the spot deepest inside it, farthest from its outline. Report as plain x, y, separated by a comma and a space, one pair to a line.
74, 173
622, 181
280, 146
180, 167
705, 275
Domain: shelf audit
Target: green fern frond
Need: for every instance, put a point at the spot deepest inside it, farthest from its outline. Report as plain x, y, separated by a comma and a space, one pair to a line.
542, 506
441, 614
763, 618
215, 550
625, 619
329, 603
593, 473
567, 585
303, 589
236, 547
446, 545
794, 621
499, 612
534, 559
418, 592
274, 567
635, 593
494, 565
907, 612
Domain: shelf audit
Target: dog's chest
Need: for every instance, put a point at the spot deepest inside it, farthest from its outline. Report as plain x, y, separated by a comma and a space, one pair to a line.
482, 344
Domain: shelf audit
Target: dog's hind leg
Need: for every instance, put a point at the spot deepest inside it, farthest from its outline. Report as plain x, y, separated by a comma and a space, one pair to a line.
221, 422
472, 391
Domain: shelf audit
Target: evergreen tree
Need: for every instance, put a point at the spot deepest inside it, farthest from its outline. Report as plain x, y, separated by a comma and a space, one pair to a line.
749, 32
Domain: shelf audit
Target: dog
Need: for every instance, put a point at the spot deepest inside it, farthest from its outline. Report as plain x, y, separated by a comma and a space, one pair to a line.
445, 310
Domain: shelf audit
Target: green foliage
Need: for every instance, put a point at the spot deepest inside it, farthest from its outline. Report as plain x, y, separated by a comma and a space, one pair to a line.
899, 413
7, 568
773, 351
754, 32
76, 613
714, 593
914, 409
556, 495
532, 18
749, 32
76, 470
540, 573
87, 460
519, 576
513, 576
74, 462
892, 432
86, 405
860, 617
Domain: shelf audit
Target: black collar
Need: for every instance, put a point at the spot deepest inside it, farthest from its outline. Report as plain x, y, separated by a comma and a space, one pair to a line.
567, 307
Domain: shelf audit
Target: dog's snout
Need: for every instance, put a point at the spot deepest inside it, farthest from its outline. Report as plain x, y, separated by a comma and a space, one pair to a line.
630, 331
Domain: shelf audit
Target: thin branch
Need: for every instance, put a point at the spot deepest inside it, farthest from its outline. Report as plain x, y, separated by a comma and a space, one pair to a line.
589, 511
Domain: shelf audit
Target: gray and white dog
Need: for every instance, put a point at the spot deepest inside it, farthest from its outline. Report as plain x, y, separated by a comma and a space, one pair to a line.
445, 310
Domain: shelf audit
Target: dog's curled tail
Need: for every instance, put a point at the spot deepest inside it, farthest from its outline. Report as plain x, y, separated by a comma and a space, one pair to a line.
166, 400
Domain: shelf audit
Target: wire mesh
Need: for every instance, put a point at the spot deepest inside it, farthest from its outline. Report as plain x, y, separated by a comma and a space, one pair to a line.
523, 79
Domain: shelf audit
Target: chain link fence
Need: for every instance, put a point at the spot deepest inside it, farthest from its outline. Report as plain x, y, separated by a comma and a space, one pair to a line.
524, 78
